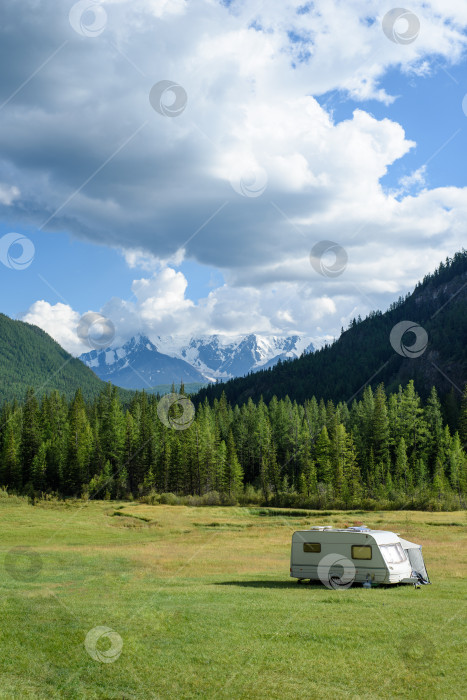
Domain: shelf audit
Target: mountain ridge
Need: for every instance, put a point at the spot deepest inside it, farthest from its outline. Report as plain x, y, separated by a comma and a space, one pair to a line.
144, 363
29, 357
146, 368
363, 353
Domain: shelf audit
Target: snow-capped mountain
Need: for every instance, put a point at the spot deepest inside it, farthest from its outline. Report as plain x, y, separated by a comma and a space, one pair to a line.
219, 356
141, 363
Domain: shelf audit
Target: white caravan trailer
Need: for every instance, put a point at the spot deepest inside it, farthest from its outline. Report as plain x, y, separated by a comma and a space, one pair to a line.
339, 558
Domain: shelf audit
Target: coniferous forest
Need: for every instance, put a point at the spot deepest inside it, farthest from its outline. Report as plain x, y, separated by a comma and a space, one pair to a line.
379, 452
337, 371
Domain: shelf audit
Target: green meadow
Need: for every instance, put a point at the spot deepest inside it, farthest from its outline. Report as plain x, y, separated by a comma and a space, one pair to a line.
198, 603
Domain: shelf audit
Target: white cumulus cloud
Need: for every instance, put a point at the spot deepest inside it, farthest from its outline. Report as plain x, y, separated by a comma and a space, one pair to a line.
252, 173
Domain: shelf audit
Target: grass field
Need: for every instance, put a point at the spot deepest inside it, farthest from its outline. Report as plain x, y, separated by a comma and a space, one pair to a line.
202, 602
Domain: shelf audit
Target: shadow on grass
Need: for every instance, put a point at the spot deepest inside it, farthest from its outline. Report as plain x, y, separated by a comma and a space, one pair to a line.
266, 584
304, 584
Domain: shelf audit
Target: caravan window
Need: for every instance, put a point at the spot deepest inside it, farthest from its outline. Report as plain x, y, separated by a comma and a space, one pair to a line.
361, 551
314, 547
393, 553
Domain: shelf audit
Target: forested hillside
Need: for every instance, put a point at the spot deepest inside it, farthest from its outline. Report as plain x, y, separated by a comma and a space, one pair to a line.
380, 451
356, 444
29, 357
363, 353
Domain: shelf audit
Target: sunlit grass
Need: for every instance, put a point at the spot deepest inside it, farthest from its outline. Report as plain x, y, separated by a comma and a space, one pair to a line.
203, 602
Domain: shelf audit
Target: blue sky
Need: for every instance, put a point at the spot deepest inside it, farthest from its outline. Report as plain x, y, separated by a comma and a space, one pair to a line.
292, 127
430, 110
81, 274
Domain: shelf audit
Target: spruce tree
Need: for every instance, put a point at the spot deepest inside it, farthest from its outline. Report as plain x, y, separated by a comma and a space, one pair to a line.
457, 463
463, 419
79, 447
30, 434
352, 486
380, 427
322, 456
39, 468
10, 458
111, 428
434, 426
233, 473
339, 447
402, 466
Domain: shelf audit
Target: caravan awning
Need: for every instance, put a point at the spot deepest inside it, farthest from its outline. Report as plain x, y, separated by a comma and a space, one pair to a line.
414, 552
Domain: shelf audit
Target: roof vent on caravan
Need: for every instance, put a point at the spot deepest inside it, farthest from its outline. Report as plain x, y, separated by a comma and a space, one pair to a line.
321, 527
362, 528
